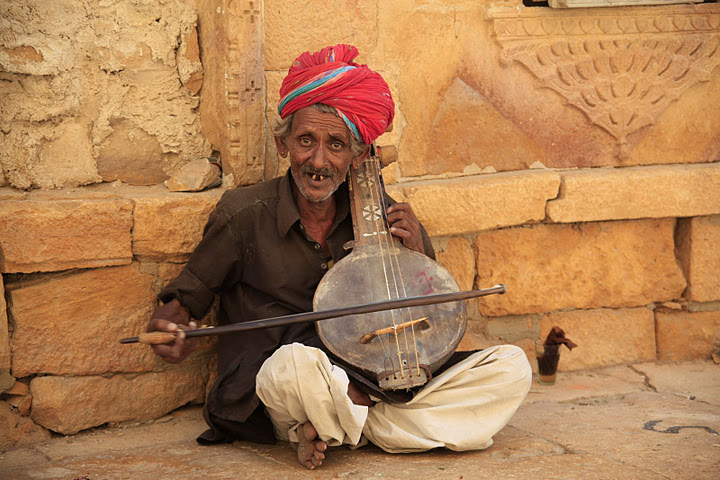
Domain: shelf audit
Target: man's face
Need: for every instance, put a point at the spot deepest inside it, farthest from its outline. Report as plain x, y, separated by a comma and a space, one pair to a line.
320, 155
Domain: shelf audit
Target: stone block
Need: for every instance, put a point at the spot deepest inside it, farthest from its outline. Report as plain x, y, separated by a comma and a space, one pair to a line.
687, 335
51, 234
232, 40
18, 431
112, 399
169, 227
465, 205
698, 239
605, 336
119, 159
195, 176
459, 260
6, 380
283, 20
592, 265
513, 328
499, 144
637, 192
425, 111
71, 324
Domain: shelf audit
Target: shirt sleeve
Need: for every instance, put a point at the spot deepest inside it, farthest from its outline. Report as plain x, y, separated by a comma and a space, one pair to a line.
215, 262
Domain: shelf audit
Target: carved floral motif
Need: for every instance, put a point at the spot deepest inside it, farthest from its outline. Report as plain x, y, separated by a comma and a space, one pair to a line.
621, 70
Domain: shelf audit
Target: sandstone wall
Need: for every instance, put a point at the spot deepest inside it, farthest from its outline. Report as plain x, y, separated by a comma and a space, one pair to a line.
98, 91
573, 155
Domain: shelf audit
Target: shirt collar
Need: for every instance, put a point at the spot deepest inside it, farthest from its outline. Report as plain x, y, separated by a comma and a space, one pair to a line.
288, 215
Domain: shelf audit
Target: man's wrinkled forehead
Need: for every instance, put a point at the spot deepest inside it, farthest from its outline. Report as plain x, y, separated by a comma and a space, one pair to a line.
314, 122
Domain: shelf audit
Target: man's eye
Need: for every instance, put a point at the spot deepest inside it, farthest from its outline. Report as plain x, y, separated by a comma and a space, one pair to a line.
304, 141
337, 145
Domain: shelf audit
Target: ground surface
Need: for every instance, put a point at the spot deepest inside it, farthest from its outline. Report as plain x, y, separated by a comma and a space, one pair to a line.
646, 421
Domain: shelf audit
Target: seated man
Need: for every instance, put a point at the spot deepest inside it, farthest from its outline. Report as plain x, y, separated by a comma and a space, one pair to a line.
264, 251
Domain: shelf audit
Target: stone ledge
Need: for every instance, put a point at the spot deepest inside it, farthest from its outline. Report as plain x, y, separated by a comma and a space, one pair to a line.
72, 323
168, 227
470, 204
637, 192
52, 234
56, 400
459, 260
698, 239
687, 335
591, 265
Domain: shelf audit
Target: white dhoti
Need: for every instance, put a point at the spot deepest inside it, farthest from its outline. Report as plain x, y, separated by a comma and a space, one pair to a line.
460, 409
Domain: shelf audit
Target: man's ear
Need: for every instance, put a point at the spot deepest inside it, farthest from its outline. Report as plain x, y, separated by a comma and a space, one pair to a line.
281, 148
358, 160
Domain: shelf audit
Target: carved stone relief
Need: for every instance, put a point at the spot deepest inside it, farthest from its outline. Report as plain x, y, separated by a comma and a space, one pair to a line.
232, 108
621, 68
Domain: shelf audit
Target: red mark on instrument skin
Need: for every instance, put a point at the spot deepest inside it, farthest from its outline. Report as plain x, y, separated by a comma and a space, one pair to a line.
426, 281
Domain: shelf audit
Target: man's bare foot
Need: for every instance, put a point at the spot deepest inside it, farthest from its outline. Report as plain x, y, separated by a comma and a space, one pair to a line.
310, 449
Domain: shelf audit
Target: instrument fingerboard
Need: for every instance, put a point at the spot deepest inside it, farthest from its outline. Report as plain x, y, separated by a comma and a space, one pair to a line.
367, 202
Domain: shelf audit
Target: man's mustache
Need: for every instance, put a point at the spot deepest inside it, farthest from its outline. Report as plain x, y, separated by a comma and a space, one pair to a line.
325, 172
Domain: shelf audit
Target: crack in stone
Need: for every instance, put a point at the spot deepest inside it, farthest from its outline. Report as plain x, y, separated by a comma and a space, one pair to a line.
644, 469
565, 449
646, 380
267, 456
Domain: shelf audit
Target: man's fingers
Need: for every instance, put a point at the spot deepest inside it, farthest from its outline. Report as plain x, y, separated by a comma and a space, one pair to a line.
180, 348
400, 232
191, 326
169, 353
162, 325
176, 351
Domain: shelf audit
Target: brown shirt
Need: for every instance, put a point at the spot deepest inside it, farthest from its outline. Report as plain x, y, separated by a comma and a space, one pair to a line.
256, 255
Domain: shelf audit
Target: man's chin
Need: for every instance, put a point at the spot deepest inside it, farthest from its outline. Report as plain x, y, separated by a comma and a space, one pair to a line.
315, 195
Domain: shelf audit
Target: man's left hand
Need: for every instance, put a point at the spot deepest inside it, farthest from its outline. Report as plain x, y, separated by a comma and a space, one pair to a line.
405, 225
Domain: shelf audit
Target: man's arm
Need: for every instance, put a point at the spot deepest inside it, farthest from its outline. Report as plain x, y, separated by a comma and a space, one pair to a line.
214, 260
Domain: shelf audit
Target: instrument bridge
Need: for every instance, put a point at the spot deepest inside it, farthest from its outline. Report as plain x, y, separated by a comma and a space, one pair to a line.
407, 377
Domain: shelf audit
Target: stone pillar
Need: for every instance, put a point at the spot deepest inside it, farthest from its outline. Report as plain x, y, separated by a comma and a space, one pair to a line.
231, 106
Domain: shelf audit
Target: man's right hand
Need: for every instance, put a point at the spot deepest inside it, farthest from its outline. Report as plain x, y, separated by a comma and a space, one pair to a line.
172, 317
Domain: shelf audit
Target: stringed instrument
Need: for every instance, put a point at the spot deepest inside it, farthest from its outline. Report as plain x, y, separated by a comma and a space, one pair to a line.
400, 348
393, 313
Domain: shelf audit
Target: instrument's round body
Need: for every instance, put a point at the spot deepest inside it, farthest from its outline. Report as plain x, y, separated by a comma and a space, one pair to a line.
398, 348
365, 276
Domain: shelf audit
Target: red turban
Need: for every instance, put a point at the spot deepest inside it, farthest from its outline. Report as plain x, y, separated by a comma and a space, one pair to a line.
361, 96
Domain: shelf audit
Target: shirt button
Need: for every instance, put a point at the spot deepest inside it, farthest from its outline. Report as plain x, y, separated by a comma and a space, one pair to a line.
317, 246
323, 266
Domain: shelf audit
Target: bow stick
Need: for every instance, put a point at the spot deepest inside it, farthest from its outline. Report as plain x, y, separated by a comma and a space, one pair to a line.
158, 337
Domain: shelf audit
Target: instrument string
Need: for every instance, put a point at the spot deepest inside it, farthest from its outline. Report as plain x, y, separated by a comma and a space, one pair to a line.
386, 245
379, 226
357, 182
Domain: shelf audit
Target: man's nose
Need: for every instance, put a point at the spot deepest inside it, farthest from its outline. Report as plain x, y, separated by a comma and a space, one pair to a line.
319, 156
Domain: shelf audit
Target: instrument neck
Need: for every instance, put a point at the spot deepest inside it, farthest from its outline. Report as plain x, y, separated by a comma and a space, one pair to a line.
367, 204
